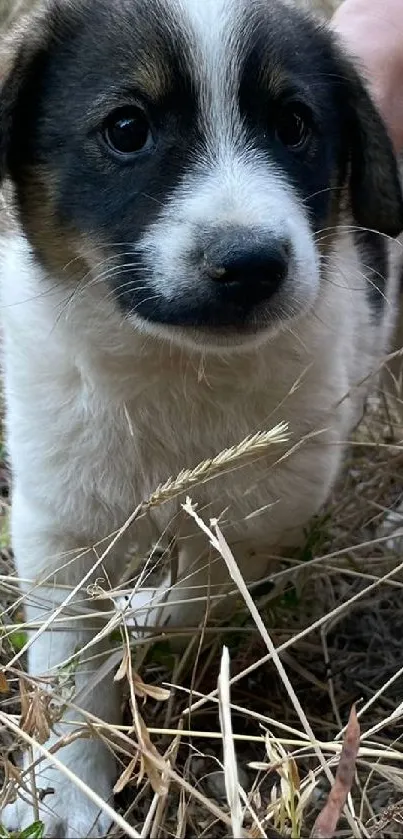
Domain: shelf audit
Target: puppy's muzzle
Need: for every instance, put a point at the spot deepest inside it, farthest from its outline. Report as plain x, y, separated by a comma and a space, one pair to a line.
244, 268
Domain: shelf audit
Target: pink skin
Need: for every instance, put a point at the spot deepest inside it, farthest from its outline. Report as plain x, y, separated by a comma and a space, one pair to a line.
372, 32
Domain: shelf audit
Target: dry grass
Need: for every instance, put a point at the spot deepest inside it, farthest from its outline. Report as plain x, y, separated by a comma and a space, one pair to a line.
325, 633
203, 753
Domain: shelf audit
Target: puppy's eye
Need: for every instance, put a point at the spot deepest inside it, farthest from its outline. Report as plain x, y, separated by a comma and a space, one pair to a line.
127, 131
293, 125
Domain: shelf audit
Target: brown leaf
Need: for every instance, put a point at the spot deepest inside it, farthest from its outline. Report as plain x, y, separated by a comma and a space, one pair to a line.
143, 690
326, 823
151, 764
124, 667
11, 771
294, 774
36, 718
24, 699
126, 776
4, 688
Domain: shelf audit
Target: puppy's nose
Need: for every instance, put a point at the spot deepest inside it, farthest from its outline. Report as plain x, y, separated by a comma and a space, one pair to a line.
239, 259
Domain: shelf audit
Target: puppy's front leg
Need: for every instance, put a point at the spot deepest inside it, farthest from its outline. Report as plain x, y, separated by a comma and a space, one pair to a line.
203, 589
42, 554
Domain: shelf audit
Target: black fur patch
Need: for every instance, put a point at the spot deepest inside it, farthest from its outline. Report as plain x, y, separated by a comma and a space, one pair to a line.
101, 57
373, 253
289, 57
56, 122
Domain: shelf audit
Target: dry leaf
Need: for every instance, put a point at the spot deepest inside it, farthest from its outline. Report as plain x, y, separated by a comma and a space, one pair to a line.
4, 688
256, 799
142, 690
124, 666
12, 772
126, 776
150, 764
326, 823
294, 774
35, 717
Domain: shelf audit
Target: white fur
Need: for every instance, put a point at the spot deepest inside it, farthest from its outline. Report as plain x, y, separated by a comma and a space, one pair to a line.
234, 186
231, 184
80, 466
100, 412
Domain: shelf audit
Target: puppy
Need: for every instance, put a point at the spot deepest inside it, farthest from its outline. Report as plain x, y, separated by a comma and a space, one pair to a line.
204, 195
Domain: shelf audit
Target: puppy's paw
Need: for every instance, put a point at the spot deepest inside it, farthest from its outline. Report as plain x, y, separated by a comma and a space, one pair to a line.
68, 817
392, 526
66, 812
144, 608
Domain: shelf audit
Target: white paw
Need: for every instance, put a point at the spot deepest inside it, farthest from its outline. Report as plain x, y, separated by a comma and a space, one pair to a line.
143, 608
392, 526
67, 813
63, 819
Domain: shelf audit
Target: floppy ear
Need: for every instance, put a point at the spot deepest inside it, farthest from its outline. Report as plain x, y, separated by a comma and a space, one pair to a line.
18, 51
375, 191
22, 50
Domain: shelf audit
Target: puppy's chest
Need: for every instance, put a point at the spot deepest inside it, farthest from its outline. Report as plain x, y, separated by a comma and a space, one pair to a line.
149, 440
161, 435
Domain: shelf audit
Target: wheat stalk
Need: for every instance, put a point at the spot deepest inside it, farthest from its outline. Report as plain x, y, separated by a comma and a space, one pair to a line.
253, 446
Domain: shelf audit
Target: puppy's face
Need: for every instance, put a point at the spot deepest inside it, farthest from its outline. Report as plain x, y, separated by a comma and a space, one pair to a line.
190, 153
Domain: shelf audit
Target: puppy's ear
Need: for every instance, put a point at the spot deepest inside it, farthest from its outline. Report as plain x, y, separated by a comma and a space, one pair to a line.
375, 191
21, 52
18, 51
11, 79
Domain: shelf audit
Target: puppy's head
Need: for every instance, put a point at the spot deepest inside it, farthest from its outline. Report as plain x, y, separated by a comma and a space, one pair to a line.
190, 154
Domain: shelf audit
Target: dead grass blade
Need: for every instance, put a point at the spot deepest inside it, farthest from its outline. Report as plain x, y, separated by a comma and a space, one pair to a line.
103, 806
148, 757
253, 446
219, 543
326, 823
230, 764
333, 613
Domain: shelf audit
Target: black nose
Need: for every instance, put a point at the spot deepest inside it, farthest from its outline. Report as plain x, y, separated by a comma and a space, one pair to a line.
241, 259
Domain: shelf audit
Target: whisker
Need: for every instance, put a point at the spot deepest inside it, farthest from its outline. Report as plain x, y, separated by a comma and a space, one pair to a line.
356, 272
321, 192
152, 198
116, 269
357, 229
134, 309
86, 282
104, 246
118, 293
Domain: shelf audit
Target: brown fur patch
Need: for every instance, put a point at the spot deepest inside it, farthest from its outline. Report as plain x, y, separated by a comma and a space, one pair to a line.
57, 243
150, 76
